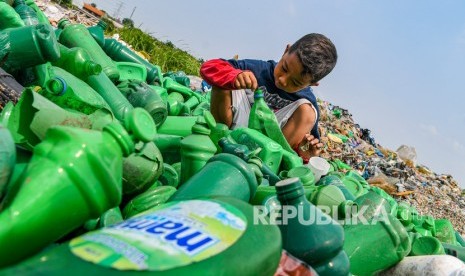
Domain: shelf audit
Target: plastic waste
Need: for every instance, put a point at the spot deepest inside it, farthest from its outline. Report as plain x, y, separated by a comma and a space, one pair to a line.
375, 246
223, 175
27, 46
77, 35
7, 158
319, 244
72, 170
118, 52
179, 238
139, 94
196, 149
264, 120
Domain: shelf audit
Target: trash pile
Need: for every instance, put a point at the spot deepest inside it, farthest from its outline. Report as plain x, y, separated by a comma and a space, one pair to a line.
109, 166
396, 172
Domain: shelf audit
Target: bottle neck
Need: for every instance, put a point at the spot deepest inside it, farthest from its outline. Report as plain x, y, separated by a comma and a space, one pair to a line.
290, 191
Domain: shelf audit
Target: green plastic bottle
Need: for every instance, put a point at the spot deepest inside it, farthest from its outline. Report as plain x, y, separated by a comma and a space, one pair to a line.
147, 200
77, 35
169, 146
27, 46
377, 245
445, 231
7, 158
98, 32
27, 14
110, 93
307, 233
70, 92
34, 114
77, 62
223, 175
196, 149
194, 237
175, 102
271, 153
162, 92
264, 120
118, 52
178, 125
10, 18
141, 169
74, 175
139, 94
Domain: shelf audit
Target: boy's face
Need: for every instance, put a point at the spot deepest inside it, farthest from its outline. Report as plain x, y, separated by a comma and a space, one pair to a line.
288, 73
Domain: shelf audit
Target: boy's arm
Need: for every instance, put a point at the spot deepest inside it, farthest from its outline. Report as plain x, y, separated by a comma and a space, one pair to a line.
219, 73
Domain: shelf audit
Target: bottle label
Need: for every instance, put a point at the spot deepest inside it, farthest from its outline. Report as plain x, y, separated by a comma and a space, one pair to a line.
171, 235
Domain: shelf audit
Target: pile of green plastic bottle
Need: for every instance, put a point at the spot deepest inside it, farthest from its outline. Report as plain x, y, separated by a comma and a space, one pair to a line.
110, 166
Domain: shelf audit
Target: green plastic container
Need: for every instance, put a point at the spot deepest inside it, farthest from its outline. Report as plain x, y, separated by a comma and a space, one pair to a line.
426, 246
131, 71
70, 92
73, 176
26, 13
27, 46
33, 115
271, 153
141, 169
170, 176
177, 125
78, 62
194, 237
148, 199
223, 175
77, 35
175, 102
264, 120
170, 147
307, 233
10, 18
119, 52
375, 246
196, 149
445, 231
98, 32
7, 158
119, 105
139, 94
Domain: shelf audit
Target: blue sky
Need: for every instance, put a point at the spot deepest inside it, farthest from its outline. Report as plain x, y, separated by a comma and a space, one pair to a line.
400, 67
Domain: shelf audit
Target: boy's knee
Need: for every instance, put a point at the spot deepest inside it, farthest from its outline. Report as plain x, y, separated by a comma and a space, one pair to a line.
305, 115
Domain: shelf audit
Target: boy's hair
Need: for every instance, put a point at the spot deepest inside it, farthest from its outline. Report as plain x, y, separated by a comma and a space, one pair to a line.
317, 54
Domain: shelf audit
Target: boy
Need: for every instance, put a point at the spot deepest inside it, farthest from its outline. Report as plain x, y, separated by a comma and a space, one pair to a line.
287, 82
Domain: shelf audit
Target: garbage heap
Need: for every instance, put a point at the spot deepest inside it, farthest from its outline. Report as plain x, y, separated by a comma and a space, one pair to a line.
109, 166
396, 172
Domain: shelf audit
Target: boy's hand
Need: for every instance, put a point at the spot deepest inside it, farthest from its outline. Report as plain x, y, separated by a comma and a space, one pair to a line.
246, 80
313, 144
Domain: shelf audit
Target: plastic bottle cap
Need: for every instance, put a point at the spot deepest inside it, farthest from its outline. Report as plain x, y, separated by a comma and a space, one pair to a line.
141, 125
56, 86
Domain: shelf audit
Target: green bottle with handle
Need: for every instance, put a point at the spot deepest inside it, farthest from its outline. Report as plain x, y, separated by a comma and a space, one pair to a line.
196, 149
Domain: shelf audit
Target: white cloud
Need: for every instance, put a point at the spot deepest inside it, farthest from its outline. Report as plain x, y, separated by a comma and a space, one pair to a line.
429, 128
